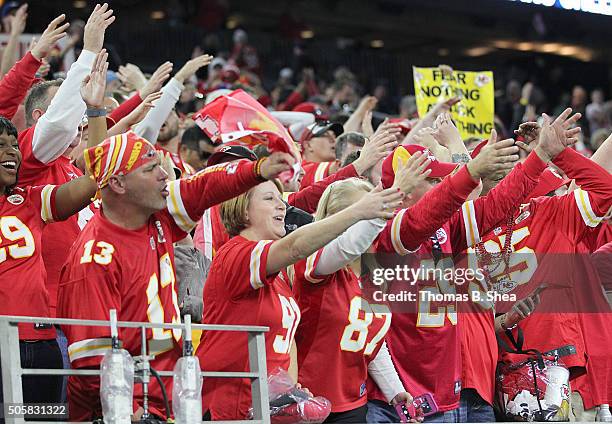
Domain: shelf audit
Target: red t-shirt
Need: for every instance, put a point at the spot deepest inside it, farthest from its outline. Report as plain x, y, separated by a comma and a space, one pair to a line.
340, 333
238, 291
23, 215
57, 238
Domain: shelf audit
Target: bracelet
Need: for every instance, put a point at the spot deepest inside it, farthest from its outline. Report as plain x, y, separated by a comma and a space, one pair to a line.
258, 168
95, 112
503, 324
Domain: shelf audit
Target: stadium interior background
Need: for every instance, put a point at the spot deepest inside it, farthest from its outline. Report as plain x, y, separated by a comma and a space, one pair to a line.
379, 40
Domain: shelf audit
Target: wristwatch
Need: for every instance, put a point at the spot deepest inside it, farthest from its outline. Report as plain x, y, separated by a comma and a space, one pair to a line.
94, 113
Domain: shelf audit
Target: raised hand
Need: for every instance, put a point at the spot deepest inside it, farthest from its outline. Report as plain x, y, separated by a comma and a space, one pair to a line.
18, 22
445, 131
425, 137
94, 84
556, 136
375, 150
412, 173
55, 31
99, 20
391, 128
192, 66
379, 203
366, 124
276, 164
161, 74
139, 113
131, 77
495, 157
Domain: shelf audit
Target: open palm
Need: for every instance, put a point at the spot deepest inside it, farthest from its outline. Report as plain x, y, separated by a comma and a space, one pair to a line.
94, 84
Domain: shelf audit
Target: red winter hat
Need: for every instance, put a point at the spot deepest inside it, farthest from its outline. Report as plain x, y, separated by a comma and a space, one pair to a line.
403, 153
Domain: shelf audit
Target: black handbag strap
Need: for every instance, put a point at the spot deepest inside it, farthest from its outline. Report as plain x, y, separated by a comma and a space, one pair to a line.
517, 343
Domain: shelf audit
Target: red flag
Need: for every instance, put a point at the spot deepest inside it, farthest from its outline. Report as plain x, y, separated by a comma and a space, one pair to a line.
238, 118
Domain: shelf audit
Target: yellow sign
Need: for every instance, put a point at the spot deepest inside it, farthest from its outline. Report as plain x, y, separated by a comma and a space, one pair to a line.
474, 114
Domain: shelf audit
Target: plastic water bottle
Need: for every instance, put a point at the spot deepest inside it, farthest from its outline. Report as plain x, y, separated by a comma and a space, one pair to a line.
187, 383
116, 381
604, 414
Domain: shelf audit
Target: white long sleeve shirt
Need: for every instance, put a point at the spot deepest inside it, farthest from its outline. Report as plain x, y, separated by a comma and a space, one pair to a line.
59, 125
149, 127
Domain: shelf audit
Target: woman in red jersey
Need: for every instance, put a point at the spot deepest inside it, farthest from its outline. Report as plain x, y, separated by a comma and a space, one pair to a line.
245, 285
341, 336
24, 211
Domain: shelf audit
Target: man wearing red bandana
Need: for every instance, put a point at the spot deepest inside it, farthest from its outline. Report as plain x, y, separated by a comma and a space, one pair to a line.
141, 216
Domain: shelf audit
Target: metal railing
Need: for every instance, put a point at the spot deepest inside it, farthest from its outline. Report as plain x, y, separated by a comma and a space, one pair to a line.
12, 371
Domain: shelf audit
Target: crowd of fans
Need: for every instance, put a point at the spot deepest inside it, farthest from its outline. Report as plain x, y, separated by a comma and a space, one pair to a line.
116, 193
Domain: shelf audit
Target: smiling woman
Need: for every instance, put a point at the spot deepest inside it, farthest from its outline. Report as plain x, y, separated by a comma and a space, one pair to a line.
24, 211
248, 284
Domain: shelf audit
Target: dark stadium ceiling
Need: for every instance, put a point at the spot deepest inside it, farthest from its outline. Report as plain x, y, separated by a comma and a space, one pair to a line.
473, 28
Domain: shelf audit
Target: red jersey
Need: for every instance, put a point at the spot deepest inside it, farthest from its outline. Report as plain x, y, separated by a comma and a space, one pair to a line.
58, 237
185, 168
315, 171
238, 291
571, 216
340, 333
102, 274
433, 332
22, 272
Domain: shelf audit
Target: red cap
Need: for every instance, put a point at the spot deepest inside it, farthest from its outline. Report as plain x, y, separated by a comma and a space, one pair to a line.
403, 153
315, 109
549, 181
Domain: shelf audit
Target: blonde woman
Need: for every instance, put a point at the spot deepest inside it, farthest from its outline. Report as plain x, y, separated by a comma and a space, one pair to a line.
340, 338
244, 285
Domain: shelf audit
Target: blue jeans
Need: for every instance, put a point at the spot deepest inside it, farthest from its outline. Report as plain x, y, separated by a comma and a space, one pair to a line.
474, 409
39, 388
451, 416
381, 412
62, 342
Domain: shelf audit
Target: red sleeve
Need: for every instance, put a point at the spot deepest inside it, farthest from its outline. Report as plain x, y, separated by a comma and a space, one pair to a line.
304, 269
126, 108
292, 101
308, 198
483, 214
190, 197
412, 226
591, 178
242, 267
15, 85
578, 213
42, 199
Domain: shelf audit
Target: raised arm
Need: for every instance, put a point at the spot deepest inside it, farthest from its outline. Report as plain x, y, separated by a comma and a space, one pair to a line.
9, 55
15, 85
190, 197
152, 123
306, 240
58, 126
485, 213
447, 134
